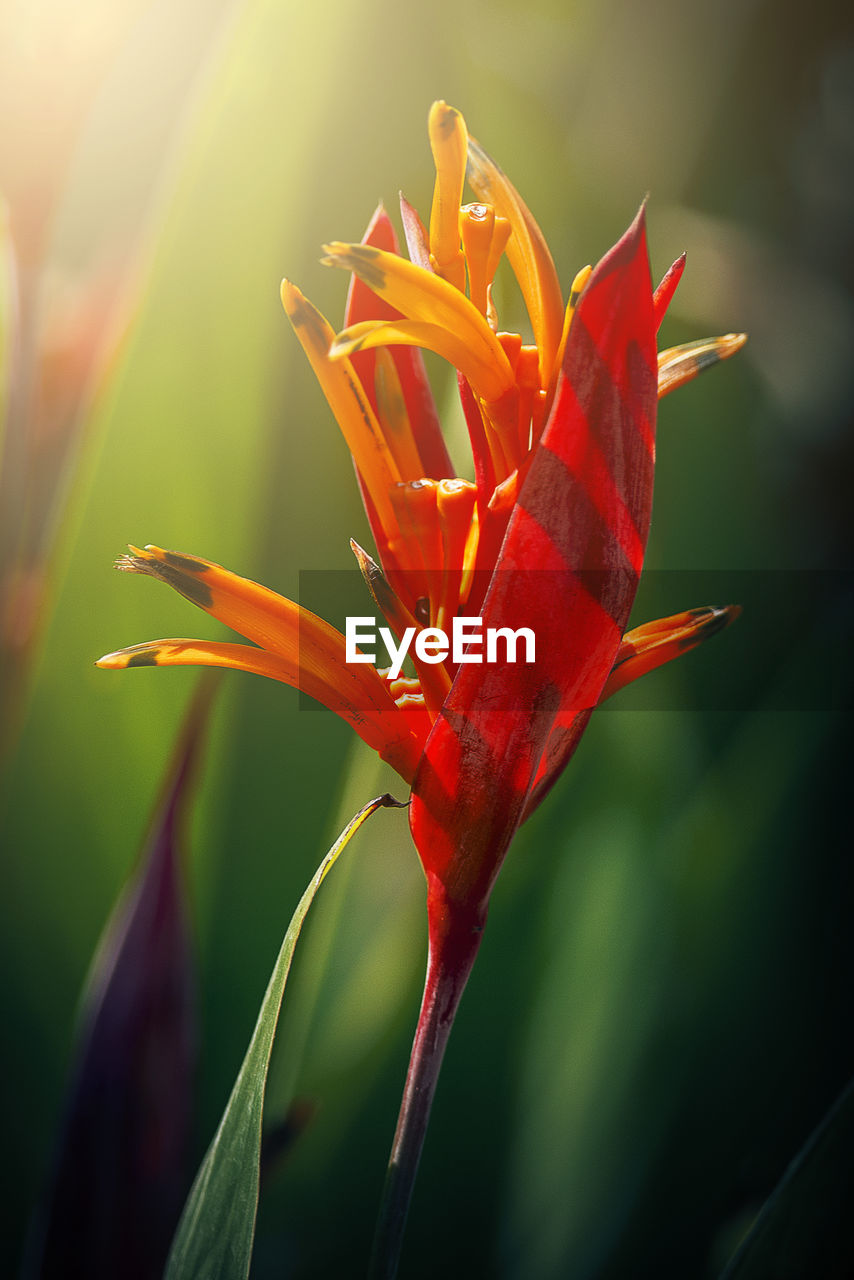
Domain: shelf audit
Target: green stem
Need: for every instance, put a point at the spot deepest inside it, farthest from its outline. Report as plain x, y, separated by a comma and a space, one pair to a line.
454, 940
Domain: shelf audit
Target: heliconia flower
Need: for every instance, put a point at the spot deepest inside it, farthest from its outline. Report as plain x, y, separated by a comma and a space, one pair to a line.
550, 534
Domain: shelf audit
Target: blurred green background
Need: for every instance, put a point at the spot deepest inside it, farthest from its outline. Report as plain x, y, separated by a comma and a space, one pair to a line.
660, 1013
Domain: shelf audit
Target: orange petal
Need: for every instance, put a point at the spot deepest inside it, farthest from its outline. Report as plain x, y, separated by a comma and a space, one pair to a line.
484, 240
527, 252
448, 138
678, 365
655, 643
202, 653
371, 334
386, 731
347, 400
268, 619
467, 340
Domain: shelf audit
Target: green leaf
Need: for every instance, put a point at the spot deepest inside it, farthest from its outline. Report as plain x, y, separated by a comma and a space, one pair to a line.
804, 1228
215, 1234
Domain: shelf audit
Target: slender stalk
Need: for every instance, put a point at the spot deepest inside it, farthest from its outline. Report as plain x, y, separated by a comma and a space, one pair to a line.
454, 940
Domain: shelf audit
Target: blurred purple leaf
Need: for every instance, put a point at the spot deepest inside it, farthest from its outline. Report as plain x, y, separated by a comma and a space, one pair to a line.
120, 1172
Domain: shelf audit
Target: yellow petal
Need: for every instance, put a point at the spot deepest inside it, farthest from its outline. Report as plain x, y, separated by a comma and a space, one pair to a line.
527, 252
484, 240
575, 292
448, 138
425, 297
348, 402
369, 334
202, 653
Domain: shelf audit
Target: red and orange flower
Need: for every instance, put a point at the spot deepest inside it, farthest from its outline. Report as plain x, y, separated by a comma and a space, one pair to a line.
550, 534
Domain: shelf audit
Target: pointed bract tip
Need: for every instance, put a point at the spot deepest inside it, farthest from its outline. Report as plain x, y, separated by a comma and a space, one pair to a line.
440, 113
371, 571
636, 229
136, 655
717, 618
289, 293
630, 241
722, 348
678, 365
296, 304
110, 660
365, 561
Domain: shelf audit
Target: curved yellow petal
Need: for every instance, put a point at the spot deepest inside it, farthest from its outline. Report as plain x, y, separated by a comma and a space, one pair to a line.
201, 653
385, 731
422, 333
448, 139
527, 252
348, 402
422, 296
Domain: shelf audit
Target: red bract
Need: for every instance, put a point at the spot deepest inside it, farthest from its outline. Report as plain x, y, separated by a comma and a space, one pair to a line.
568, 569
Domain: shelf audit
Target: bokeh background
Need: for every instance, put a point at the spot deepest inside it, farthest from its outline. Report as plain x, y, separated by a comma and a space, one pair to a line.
661, 1010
